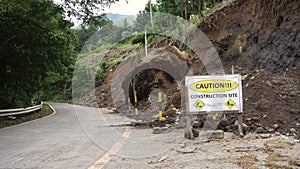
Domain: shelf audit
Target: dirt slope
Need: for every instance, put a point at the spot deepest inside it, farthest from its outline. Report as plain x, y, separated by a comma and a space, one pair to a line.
261, 40
256, 34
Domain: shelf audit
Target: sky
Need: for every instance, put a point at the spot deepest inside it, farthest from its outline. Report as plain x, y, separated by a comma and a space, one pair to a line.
130, 8
121, 7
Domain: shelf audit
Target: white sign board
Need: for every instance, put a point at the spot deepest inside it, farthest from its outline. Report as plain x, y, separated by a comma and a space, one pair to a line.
214, 93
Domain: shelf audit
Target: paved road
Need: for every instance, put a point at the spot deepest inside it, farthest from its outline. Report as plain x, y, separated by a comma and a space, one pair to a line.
57, 141
77, 137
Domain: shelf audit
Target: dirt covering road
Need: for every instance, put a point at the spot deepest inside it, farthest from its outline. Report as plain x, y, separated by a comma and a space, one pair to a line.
251, 152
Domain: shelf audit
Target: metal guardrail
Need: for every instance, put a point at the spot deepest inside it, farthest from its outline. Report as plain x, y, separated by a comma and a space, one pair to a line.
12, 112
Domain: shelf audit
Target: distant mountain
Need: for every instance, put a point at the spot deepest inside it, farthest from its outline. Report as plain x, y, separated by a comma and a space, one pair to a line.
119, 19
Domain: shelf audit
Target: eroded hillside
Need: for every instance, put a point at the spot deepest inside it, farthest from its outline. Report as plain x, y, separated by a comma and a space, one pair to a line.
260, 39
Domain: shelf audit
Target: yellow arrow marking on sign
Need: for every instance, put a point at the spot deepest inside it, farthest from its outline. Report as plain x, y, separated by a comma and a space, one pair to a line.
199, 104
230, 103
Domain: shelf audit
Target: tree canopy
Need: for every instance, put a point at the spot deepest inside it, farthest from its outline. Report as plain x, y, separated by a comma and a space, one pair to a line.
36, 46
85, 10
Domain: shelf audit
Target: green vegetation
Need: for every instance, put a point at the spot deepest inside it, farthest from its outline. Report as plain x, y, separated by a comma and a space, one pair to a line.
104, 67
39, 45
36, 50
185, 8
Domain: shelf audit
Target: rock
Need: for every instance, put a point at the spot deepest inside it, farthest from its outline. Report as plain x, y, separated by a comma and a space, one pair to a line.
168, 125
178, 113
155, 116
271, 130
275, 126
197, 124
236, 123
262, 157
255, 119
181, 145
223, 124
262, 105
264, 136
244, 126
248, 119
228, 128
176, 99
186, 150
159, 130
170, 113
11, 117
188, 133
258, 125
215, 134
253, 127
195, 132
292, 130
244, 77
295, 162
293, 111
297, 124
259, 130
277, 133
110, 112
162, 159
137, 122
191, 133
269, 83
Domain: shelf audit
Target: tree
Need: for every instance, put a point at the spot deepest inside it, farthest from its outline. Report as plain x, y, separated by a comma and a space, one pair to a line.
85, 9
185, 8
87, 29
36, 44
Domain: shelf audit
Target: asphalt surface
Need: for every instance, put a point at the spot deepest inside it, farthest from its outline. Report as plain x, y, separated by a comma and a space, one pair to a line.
83, 137
57, 141
79, 137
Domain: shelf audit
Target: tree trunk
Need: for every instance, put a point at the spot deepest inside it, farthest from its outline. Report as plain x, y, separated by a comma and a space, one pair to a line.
201, 7
185, 9
13, 99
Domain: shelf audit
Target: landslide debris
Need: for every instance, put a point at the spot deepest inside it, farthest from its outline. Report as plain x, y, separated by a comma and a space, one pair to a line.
260, 40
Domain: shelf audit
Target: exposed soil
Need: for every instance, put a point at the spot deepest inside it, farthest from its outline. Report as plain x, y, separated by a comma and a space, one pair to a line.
260, 39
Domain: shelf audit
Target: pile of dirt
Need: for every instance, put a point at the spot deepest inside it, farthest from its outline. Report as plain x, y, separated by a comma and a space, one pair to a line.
261, 40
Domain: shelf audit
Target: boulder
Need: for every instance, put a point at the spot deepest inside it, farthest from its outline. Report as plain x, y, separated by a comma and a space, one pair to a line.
259, 130
215, 134
159, 130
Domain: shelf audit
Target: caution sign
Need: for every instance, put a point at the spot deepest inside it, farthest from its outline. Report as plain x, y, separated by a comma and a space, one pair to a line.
199, 104
230, 103
214, 93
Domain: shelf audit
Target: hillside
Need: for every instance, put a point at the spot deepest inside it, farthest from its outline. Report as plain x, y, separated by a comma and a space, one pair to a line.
260, 39
119, 19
